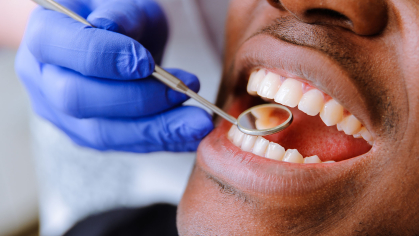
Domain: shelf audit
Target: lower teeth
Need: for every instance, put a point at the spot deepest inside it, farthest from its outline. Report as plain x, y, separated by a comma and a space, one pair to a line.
262, 147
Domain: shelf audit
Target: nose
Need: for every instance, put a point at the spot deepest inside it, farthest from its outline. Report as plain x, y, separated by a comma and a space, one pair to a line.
363, 17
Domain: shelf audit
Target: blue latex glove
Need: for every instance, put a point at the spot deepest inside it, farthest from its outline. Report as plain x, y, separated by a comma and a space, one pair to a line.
95, 85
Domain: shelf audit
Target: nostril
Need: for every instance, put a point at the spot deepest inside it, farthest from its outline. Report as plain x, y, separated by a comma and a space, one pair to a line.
326, 13
363, 17
327, 16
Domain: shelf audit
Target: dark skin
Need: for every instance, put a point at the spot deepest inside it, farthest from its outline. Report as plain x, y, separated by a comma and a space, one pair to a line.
373, 47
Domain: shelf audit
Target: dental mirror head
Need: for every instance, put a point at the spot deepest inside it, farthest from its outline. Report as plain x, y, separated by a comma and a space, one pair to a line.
264, 119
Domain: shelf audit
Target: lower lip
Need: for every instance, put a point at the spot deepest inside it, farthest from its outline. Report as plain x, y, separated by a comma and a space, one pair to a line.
250, 173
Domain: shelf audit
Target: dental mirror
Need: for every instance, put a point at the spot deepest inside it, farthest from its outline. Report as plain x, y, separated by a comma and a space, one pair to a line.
264, 119
259, 120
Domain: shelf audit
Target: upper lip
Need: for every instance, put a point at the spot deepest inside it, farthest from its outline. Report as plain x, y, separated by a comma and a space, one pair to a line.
249, 173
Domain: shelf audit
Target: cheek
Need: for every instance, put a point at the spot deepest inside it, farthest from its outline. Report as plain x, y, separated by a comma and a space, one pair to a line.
238, 22
196, 210
204, 208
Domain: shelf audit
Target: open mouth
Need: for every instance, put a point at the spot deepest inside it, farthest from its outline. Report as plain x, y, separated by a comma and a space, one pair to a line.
323, 131
328, 143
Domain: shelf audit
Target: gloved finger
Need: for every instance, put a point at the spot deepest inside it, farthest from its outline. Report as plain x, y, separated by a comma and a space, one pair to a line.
86, 97
179, 129
28, 70
59, 40
143, 21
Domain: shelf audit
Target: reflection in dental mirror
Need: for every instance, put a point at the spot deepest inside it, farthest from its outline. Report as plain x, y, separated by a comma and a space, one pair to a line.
265, 119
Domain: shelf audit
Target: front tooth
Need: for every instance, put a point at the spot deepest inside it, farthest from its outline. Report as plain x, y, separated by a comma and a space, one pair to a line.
260, 146
255, 79
332, 113
238, 138
292, 155
269, 85
248, 142
231, 132
290, 93
275, 151
312, 102
350, 125
312, 159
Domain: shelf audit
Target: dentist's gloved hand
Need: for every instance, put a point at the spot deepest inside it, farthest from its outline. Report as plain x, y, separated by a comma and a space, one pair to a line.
95, 85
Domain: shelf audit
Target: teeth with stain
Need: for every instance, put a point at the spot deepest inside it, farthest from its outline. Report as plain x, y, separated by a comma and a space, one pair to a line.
291, 92
262, 147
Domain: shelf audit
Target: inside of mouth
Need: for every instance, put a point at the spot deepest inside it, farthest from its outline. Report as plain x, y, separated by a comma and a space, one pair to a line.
307, 134
310, 136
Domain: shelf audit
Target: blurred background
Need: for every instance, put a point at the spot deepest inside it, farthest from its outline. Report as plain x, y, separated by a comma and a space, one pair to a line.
43, 175
18, 183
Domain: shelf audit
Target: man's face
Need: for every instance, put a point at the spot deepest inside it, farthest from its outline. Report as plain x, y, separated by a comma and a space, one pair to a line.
355, 62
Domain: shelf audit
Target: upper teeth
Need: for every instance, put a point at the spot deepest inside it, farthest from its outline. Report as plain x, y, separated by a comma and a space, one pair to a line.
312, 102
291, 92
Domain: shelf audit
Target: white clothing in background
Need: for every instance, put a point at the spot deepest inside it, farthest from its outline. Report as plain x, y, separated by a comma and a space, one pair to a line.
18, 192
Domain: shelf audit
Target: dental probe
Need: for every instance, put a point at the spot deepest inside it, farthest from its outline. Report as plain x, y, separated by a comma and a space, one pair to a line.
249, 121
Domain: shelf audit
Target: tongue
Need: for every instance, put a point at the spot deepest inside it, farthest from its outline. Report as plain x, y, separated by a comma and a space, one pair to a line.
310, 136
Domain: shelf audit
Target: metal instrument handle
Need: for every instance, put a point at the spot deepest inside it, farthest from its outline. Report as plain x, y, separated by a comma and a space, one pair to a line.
162, 75
176, 84
53, 5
